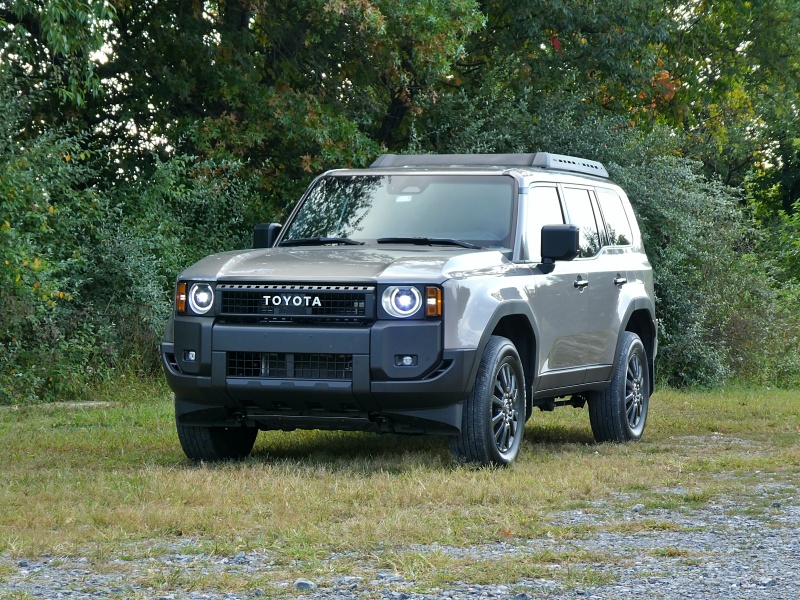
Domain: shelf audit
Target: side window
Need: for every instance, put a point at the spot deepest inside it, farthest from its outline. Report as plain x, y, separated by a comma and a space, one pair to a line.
543, 208
581, 213
617, 224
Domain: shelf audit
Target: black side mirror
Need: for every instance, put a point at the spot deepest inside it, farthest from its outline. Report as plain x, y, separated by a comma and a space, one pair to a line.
559, 242
264, 235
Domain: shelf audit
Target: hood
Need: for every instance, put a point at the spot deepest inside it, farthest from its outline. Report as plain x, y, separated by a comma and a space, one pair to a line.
348, 264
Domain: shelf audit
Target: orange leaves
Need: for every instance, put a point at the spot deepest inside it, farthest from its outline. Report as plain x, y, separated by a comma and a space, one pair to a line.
664, 82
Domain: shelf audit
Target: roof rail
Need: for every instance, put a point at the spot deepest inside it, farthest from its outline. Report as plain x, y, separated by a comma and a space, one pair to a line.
544, 160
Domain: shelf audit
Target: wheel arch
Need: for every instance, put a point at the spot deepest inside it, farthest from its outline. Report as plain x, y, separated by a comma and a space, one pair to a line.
513, 320
642, 323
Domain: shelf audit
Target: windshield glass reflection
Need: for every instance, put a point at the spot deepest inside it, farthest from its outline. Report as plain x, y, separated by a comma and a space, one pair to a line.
476, 209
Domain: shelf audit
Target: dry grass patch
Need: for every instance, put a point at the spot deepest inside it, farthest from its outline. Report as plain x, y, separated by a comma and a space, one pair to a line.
109, 481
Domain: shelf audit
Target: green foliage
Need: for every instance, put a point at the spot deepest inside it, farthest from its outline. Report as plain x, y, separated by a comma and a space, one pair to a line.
46, 213
290, 87
137, 137
739, 68
50, 42
610, 49
152, 228
86, 273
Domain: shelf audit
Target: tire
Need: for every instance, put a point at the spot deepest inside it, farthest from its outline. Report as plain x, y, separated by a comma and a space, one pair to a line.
619, 413
493, 418
213, 444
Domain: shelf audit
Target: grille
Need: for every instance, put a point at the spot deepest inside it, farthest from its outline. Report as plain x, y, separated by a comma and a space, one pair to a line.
288, 302
278, 365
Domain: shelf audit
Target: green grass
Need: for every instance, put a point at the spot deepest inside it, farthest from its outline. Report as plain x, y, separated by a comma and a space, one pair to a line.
109, 481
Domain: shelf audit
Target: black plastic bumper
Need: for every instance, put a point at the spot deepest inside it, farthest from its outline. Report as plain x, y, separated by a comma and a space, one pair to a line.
380, 394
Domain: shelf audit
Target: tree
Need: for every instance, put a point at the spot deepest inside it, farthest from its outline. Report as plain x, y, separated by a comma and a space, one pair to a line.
186, 123
739, 67
49, 45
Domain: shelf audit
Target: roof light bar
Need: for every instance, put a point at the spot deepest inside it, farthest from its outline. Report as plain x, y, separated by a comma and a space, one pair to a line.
574, 164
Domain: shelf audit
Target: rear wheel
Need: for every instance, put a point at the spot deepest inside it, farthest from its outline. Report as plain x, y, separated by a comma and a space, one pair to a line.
494, 412
619, 413
216, 443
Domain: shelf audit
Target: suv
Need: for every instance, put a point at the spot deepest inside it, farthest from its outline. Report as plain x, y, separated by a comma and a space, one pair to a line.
435, 294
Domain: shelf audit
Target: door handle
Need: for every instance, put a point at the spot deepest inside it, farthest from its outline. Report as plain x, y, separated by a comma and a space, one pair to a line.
580, 282
620, 280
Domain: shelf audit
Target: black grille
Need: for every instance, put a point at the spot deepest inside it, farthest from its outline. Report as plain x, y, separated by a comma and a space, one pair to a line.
290, 302
279, 365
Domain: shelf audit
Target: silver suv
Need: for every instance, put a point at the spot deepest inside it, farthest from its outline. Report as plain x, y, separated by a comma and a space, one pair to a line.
436, 294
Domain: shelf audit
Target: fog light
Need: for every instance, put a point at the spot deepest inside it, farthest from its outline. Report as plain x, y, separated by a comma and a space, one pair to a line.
189, 355
405, 360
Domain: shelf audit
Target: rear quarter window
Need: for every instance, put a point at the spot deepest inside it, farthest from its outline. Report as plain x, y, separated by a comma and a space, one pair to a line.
615, 217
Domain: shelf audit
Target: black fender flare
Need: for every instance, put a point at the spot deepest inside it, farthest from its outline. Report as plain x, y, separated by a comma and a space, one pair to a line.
647, 305
509, 308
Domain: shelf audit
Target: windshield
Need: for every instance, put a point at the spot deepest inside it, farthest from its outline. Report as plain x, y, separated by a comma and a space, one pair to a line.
472, 208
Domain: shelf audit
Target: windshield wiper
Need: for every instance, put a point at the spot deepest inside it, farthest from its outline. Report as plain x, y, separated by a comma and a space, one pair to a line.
320, 241
424, 241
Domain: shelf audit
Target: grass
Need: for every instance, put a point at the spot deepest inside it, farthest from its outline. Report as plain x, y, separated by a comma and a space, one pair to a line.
109, 481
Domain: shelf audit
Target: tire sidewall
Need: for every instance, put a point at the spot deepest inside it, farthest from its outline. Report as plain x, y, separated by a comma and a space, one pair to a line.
502, 353
632, 346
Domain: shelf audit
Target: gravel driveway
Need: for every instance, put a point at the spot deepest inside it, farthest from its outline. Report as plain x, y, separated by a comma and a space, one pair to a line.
744, 548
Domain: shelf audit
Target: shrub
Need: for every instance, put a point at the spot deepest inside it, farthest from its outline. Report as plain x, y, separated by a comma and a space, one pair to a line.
87, 269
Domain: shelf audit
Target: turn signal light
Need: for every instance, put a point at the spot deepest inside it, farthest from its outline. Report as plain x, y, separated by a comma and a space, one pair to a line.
433, 302
180, 298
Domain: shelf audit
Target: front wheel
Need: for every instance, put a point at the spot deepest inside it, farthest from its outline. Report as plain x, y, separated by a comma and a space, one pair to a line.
216, 443
619, 413
494, 412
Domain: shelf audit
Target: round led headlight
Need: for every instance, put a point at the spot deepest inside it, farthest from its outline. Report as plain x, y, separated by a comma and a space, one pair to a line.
401, 301
201, 298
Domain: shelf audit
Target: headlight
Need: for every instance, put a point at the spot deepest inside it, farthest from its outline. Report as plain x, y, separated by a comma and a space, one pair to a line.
201, 298
401, 301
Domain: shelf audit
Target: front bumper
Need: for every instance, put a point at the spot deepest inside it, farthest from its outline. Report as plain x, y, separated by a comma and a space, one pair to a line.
367, 388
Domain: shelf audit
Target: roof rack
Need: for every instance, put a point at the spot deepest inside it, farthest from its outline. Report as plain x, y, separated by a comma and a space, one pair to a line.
449, 160
543, 160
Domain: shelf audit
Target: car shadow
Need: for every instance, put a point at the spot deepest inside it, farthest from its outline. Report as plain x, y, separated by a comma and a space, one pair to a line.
371, 452
537, 434
353, 450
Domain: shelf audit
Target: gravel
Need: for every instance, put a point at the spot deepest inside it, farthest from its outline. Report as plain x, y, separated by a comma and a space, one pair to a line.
747, 548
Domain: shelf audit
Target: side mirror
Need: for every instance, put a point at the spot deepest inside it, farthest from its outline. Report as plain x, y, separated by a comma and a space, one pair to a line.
559, 242
264, 235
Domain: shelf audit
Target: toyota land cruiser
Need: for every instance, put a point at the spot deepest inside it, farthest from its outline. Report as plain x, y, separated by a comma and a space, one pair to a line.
434, 294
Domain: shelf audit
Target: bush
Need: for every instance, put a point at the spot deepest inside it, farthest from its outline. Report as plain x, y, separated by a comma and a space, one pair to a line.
48, 208
86, 272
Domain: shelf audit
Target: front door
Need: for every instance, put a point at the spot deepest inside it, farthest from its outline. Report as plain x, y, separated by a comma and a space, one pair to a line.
560, 302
